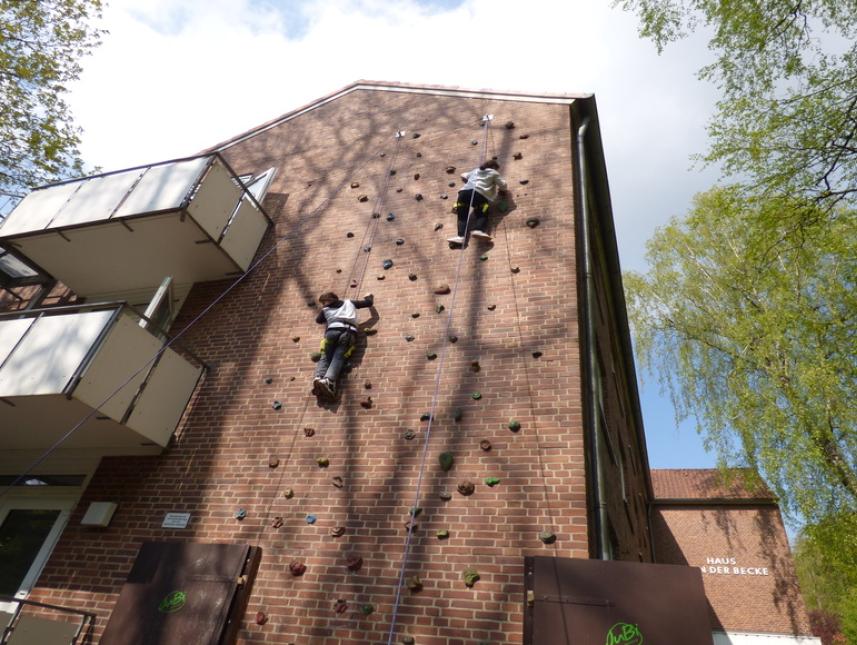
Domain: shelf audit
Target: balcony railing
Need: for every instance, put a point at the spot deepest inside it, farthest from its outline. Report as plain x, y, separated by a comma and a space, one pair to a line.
192, 219
38, 623
59, 364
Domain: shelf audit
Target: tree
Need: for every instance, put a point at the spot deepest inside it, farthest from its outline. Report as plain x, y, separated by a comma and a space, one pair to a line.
753, 330
787, 70
41, 43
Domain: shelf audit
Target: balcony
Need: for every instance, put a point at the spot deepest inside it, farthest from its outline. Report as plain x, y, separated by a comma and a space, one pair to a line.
60, 364
192, 219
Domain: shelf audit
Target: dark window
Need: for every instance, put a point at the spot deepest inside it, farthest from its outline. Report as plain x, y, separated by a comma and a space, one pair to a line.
21, 537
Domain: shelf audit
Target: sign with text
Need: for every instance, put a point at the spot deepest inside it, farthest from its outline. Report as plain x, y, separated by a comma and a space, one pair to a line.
730, 567
176, 521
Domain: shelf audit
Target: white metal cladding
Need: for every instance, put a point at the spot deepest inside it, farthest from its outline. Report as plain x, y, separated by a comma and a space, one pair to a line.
163, 187
163, 401
242, 237
215, 200
745, 638
11, 332
37, 209
96, 198
49, 354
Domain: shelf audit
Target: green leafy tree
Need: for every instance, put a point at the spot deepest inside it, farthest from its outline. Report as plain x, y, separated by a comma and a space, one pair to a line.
787, 72
41, 44
753, 330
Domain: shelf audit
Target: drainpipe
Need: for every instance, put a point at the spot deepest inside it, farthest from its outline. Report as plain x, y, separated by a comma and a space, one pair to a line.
604, 547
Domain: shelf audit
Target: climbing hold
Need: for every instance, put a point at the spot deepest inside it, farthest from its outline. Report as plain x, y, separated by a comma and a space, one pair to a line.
418, 197
514, 425
398, 190
416, 176
354, 284
409, 434
444, 196
308, 432
537, 354
296, 339
399, 242
412, 276
277, 523
240, 514
408, 640
457, 414
451, 184
310, 519
524, 136
291, 378
439, 309
376, 215
516, 269
367, 248
367, 385
273, 462
492, 307
450, 170
445, 496
337, 531
354, 562
476, 396
474, 142
414, 584
277, 405
416, 135
268, 380
416, 314
315, 357
338, 481
341, 606
517, 156
349, 234
355, 184
368, 609
387, 264
547, 537
419, 154
425, 416
323, 462
442, 534
438, 226
483, 257
409, 338
383, 154
288, 493
261, 618
510, 125
363, 198
446, 459
297, 568
491, 481
475, 366
431, 355
533, 222
466, 488
411, 526
392, 172
470, 576
311, 303
415, 511
524, 182
391, 217
442, 289
366, 403
485, 445
453, 338
381, 277
371, 331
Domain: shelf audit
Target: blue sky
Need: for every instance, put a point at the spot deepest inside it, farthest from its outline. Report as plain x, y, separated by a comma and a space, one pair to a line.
175, 76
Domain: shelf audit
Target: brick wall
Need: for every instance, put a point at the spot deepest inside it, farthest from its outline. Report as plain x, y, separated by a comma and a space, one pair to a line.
264, 328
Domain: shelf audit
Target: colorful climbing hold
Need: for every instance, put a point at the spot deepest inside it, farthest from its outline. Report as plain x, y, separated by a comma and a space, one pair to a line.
363, 198
415, 511
323, 462
368, 609
376, 215
476, 396
261, 618
524, 182
412, 276
442, 534
354, 562
411, 526
414, 583
387, 264
475, 366
451, 184
442, 289
445, 495
337, 531
380, 277
438, 226
277, 523
277, 405
439, 309
518, 156
288, 493
297, 568
470, 576
514, 425
537, 354
510, 125
416, 314
453, 338
547, 537
296, 339
240, 514
483, 257
273, 461
492, 307
532, 222
338, 481
311, 519
315, 357
466, 488
524, 136
366, 403
446, 459
400, 241
268, 380
409, 434
485, 445
341, 606
416, 176
431, 355
355, 184
516, 269
349, 234
418, 197
444, 196
391, 217
425, 416
450, 170
308, 432
409, 338
491, 481
474, 142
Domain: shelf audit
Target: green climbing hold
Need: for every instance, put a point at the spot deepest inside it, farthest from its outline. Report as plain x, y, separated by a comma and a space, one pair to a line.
431, 355
368, 609
491, 481
442, 534
277, 405
483, 257
471, 576
323, 462
439, 309
514, 425
547, 537
446, 459
315, 357
476, 396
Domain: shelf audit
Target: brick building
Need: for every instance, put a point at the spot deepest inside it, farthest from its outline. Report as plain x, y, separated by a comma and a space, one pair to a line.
131, 447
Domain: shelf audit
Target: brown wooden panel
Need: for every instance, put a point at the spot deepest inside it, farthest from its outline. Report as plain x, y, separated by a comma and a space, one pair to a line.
180, 592
597, 602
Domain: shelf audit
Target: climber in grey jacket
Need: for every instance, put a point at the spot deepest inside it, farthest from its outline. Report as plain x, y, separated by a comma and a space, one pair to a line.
340, 317
481, 187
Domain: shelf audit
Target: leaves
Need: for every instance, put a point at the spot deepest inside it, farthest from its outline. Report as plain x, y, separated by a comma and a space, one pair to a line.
41, 44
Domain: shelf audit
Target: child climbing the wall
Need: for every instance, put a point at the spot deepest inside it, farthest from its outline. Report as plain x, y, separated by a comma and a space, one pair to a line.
482, 185
340, 316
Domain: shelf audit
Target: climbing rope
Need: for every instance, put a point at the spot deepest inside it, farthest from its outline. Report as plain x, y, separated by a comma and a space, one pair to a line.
486, 123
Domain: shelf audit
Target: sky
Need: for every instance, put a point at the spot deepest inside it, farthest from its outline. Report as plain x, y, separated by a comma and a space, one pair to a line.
175, 76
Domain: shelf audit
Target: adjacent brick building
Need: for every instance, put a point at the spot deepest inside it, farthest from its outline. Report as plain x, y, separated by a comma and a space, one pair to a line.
534, 378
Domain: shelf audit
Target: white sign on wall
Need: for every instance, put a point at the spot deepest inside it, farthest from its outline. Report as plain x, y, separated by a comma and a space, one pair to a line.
730, 567
176, 520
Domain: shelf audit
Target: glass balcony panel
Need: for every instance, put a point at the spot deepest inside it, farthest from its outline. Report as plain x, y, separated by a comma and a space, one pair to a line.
37, 209
11, 331
241, 238
215, 200
95, 199
163, 187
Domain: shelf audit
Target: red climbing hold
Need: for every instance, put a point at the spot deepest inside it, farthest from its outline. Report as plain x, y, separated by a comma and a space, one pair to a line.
366, 403
354, 562
261, 618
297, 568
308, 432
341, 606
273, 462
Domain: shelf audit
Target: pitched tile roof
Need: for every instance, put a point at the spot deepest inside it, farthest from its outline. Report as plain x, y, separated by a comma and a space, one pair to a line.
707, 484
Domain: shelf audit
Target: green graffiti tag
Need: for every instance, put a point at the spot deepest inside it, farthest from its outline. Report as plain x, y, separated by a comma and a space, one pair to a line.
624, 634
172, 602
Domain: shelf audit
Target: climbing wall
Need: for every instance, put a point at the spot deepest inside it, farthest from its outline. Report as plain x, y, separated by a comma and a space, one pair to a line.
330, 491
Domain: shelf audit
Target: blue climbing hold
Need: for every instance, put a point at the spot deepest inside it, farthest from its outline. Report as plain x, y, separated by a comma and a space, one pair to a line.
391, 217
240, 514
387, 264
310, 519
